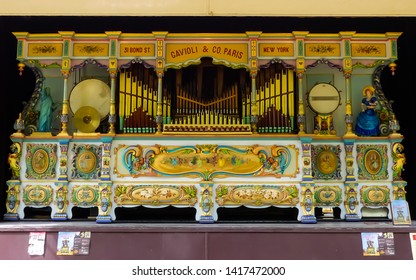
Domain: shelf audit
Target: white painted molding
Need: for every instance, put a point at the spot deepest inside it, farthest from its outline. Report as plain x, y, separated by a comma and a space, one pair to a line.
302, 8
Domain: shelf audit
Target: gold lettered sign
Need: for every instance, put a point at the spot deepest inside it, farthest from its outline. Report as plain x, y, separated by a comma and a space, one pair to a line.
36, 49
98, 49
368, 50
270, 49
233, 53
322, 49
137, 50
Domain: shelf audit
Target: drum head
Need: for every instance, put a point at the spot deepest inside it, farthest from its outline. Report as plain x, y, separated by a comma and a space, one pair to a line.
93, 93
323, 98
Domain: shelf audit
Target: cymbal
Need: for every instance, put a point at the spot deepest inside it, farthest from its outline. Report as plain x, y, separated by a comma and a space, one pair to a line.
91, 92
87, 119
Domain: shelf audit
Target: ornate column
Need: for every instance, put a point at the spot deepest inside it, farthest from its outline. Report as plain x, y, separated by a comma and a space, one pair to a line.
65, 106
254, 109
300, 70
104, 203
12, 200
159, 111
65, 70
112, 69
160, 58
105, 158
61, 201
307, 203
306, 158
206, 202
63, 159
112, 116
351, 201
253, 53
301, 109
399, 160
349, 159
347, 68
348, 106
61, 187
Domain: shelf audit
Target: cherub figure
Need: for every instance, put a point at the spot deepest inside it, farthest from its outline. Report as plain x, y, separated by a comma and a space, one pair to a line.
399, 160
14, 160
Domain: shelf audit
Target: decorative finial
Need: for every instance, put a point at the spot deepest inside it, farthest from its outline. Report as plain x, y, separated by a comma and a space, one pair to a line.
19, 125
392, 66
21, 67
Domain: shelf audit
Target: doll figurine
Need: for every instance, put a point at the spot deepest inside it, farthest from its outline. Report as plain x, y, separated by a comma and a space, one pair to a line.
368, 123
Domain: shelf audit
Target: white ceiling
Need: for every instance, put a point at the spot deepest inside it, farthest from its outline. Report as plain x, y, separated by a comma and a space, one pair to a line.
298, 8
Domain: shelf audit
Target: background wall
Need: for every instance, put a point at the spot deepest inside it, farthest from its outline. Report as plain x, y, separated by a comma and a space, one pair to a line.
279, 18
299, 8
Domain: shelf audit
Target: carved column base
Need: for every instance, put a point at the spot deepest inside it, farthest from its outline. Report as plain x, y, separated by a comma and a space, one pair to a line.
103, 219
60, 217
352, 217
11, 217
308, 219
206, 220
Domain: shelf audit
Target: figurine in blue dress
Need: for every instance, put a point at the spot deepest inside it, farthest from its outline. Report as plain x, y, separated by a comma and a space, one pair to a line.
368, 123
45, 110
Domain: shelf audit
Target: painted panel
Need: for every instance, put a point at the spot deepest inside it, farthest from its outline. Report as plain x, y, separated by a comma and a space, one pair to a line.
322, 49
89, 49
233, 53
368, 50
44, 49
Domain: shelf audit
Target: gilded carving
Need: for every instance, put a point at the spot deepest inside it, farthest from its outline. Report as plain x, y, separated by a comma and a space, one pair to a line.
375, 195
14, 159
84, 195
328, 195
326, 164
41, 161
12, 201
155, 195
257, 195
372, 162
86, 162
351, 200
61, 201
399, 160
37, 195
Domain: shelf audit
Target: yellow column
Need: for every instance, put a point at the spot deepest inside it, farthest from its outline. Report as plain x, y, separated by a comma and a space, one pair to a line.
301, 109
348, 106
254, 110
112, 117
112, 69
159, 112
300, 70
65, 70
160, 42
347, 67
65, 106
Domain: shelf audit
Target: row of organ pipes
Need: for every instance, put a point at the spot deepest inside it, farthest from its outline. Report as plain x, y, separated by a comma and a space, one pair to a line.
207, 94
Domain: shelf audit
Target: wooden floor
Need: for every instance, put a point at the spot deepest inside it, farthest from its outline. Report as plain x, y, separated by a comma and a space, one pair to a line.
325, 240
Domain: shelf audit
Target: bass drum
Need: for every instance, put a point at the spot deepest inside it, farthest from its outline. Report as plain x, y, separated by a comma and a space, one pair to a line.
93, 93
323, 98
